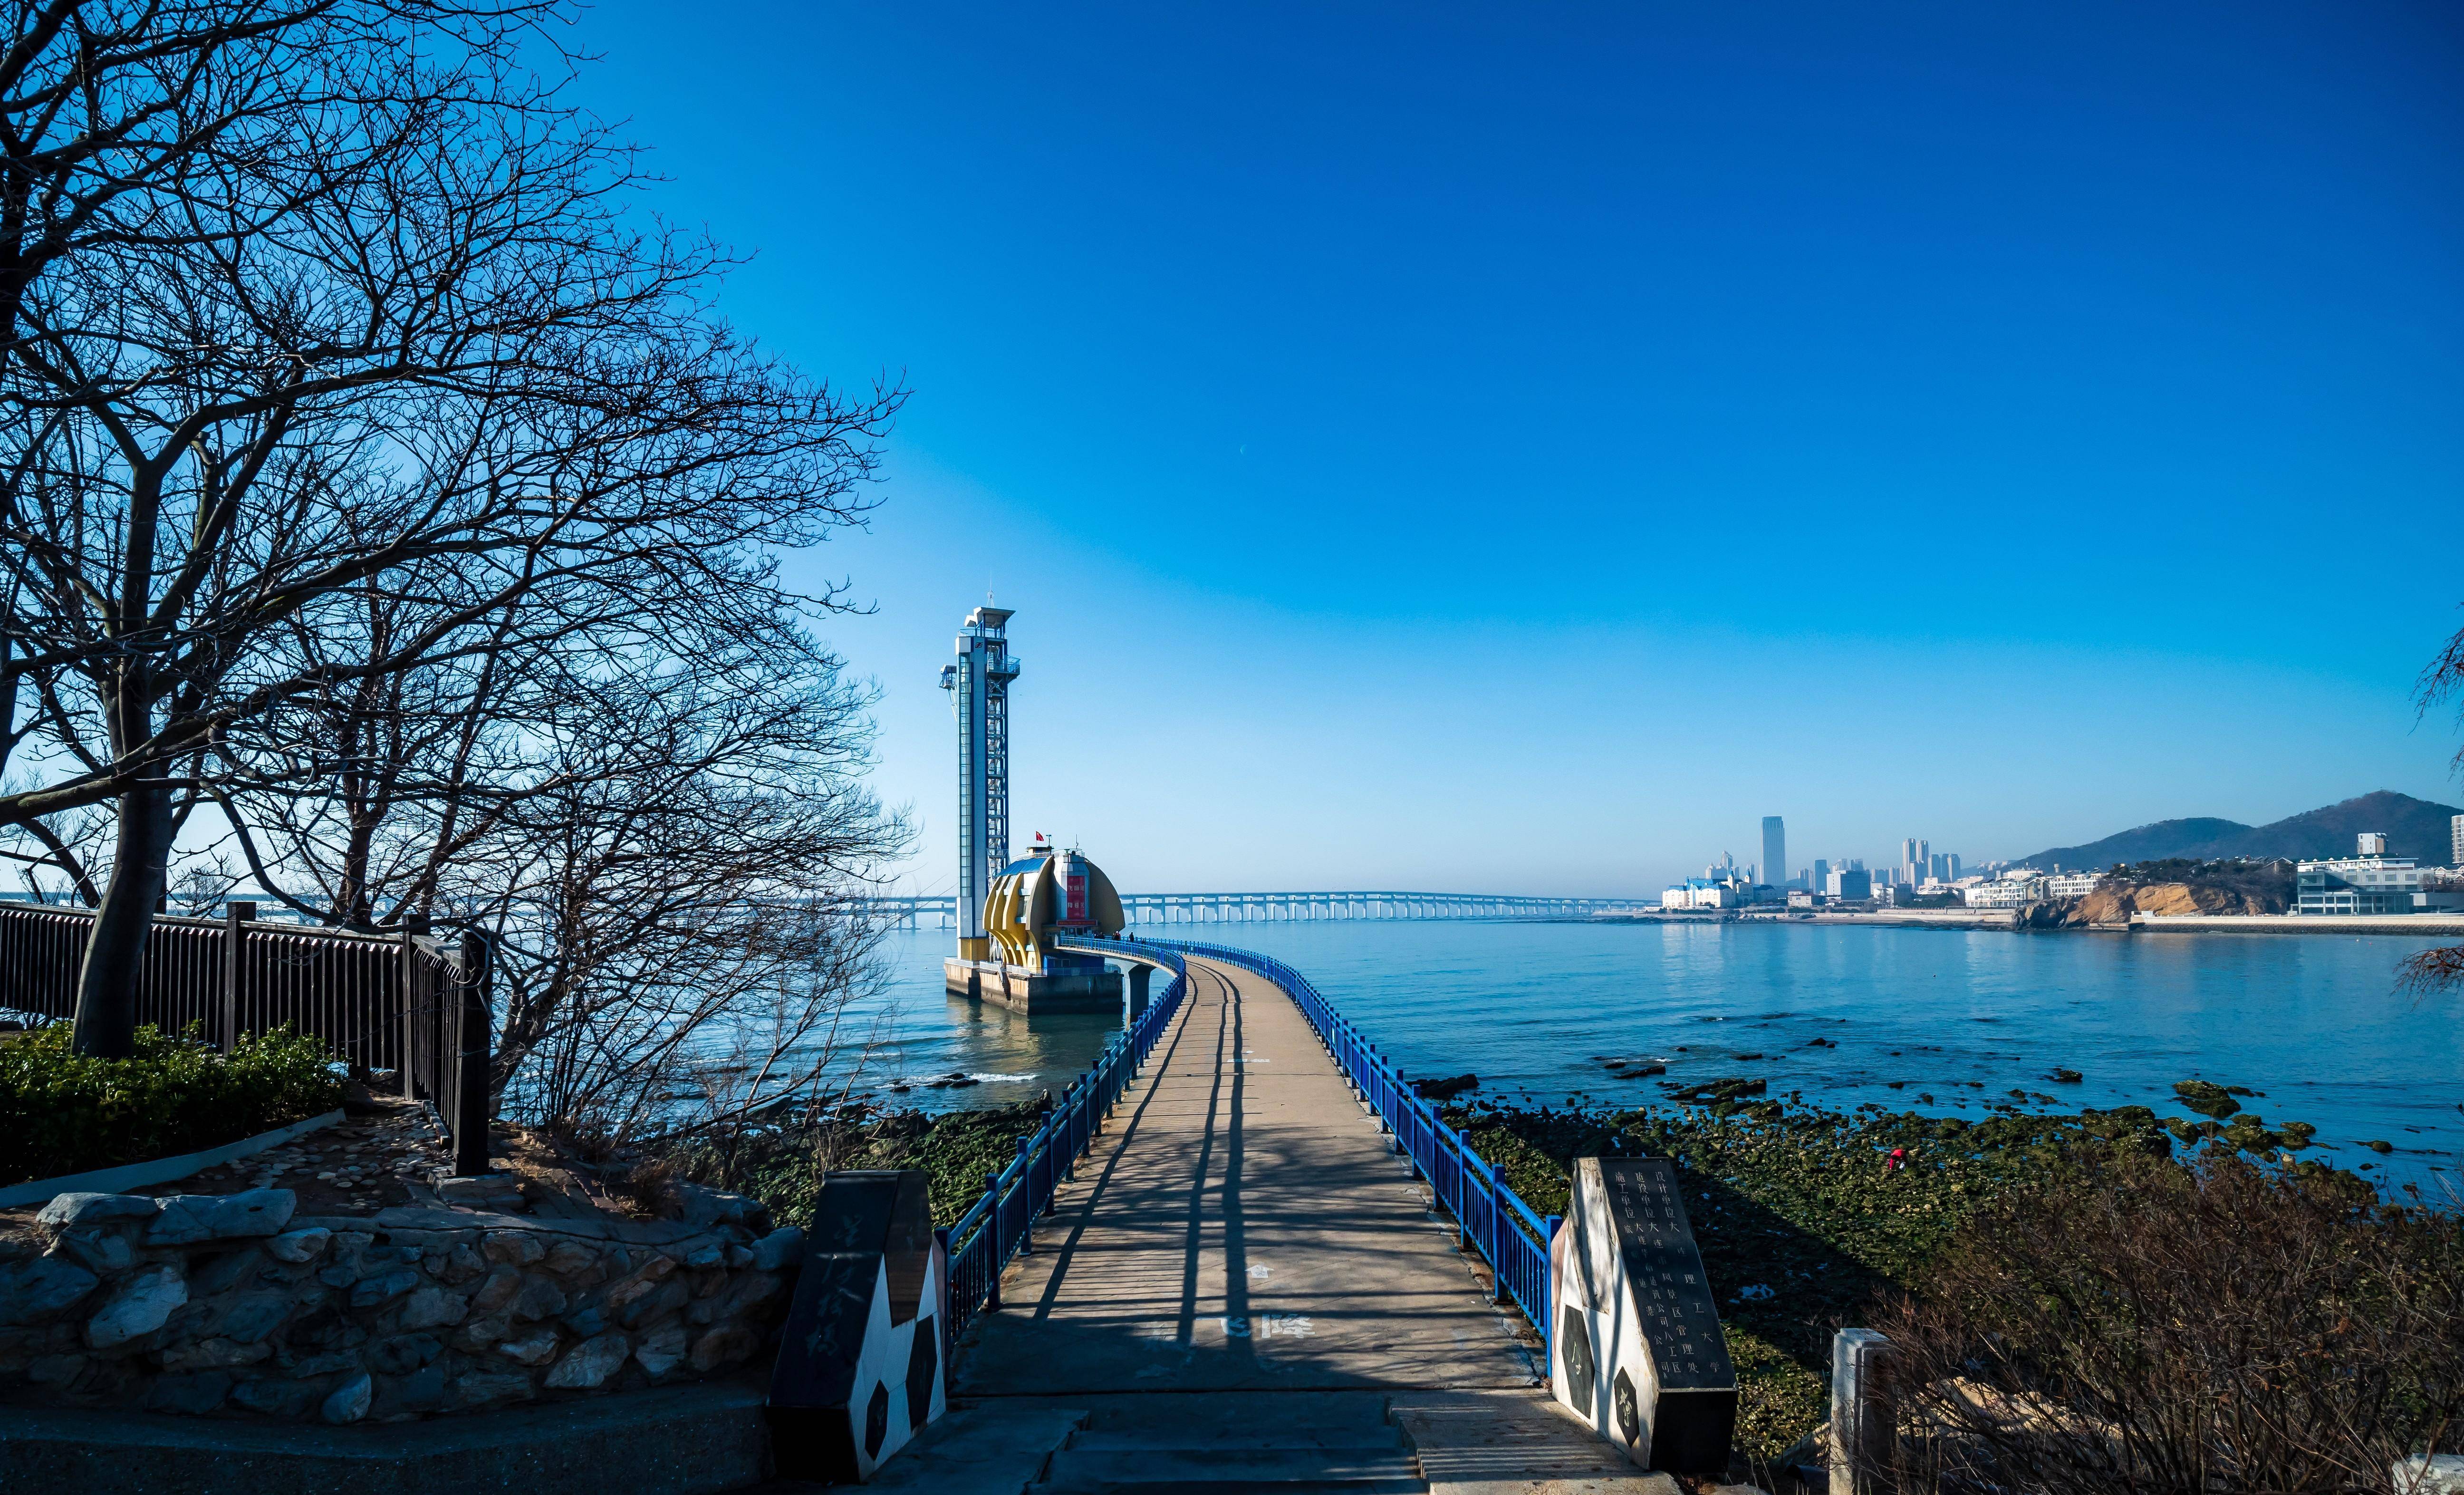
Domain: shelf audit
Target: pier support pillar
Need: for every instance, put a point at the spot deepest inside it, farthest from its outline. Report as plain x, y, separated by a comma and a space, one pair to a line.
1139, 978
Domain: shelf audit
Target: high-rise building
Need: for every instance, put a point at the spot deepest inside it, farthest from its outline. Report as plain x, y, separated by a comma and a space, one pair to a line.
1821, 873
2455, 843
1952, 857
1776, 848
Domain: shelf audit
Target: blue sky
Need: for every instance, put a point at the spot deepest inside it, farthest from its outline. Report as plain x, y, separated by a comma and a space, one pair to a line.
1507, 448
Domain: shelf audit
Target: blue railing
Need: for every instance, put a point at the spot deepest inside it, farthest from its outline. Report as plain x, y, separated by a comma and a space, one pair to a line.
1001, 1224
1493, 1219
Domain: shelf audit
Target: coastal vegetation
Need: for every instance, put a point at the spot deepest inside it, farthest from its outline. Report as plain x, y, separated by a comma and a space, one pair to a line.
66, 1113
781, 1165
2128, 1325
1807, 1223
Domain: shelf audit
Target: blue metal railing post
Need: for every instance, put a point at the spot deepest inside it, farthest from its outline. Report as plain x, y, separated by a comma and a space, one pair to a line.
1025, 1194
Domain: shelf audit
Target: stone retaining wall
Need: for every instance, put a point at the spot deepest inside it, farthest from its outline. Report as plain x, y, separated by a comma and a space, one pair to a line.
227, 1304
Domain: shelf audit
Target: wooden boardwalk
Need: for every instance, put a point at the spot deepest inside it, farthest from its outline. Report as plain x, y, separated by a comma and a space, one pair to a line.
1246, 1279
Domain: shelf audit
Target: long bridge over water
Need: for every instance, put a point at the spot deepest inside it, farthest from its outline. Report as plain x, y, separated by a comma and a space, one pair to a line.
1151, 909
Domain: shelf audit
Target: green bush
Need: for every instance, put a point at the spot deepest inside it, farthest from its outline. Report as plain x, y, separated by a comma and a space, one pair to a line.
65, 1113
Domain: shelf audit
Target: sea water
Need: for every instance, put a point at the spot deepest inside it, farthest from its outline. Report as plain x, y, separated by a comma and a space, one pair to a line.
1940, 1020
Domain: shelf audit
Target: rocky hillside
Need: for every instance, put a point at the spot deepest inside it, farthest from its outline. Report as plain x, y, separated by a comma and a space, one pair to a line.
2116, 902
2417, 828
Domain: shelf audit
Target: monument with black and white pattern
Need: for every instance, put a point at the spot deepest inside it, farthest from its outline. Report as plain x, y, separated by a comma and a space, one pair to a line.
1638, 1348
861, 1358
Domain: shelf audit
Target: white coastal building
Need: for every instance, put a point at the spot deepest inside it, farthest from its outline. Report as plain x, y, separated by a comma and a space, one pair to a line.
2371, 882
2013, 889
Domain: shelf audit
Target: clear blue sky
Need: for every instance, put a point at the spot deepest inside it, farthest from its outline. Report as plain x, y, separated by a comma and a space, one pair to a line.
1516, 447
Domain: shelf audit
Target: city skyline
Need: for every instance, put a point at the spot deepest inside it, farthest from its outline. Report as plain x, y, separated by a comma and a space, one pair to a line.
1402, 398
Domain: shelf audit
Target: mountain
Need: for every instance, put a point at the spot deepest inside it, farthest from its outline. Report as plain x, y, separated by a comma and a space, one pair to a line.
2416, 828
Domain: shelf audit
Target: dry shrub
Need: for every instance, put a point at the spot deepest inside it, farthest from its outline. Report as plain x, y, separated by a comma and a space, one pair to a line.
2140, 1328
648, 1187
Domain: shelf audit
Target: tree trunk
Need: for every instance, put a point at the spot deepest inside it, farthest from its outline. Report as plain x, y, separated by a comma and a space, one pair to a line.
106, 1007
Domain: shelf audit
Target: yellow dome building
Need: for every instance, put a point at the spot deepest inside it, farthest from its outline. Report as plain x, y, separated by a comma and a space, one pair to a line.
1045, 896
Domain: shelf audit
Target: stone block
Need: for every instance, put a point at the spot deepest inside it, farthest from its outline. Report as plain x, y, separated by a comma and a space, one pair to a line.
329, 1363
190, 1395
142, 1304
41, 1286
778, 1248
430, 1307
490, 1388
482, 1334
586, 1320
215, 1354
187, 1217
67, 1210
729, 1344
539, 1298
350, 1401
253, 1316
275, 1397
572, 1259
407, 1395
300, 1245
461, 1265
403, 1353
514, 1248
497, 1291
657, 1304
378, 1289
60, 1371
591, 1363
661, 1351
105, 1250
536, 1348
223, 1271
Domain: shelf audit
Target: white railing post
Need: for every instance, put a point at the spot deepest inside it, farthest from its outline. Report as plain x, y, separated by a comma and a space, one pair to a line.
1858, 1426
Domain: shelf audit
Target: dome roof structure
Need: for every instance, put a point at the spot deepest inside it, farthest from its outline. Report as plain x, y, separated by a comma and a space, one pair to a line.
1049, 893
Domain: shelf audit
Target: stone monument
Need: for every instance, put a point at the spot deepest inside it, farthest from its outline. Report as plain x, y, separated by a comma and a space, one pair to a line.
861, 1357
1639, 1353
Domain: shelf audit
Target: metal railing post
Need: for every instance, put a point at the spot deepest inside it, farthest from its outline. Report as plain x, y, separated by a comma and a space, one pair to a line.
236, 914
1026, 1177
469, 1100
989, 1234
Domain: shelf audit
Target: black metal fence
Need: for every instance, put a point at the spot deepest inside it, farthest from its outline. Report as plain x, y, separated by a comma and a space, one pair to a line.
403, 1003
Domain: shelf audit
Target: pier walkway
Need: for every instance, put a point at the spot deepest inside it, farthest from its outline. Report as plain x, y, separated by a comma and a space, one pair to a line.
1245, 1289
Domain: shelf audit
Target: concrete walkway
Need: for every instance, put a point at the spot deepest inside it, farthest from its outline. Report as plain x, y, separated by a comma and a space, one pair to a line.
1242, 1231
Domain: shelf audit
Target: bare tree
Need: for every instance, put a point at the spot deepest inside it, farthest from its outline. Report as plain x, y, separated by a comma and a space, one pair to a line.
406, 346
660, 824
2441, 682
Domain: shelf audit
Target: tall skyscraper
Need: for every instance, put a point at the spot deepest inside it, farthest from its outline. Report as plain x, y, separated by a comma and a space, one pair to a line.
2455, 837
1776, 848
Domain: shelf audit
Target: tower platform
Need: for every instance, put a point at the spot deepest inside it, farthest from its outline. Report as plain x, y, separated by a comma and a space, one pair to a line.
1022, 991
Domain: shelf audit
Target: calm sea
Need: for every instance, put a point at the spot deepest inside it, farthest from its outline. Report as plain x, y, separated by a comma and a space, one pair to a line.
2312, 1021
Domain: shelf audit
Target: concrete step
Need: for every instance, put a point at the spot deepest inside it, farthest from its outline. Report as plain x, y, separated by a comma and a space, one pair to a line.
1177, 1467
1345, 1440
1514, 1442
1238, 1486
981, 1450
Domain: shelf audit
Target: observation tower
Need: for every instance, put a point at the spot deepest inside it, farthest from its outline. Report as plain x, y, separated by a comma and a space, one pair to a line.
979, 687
